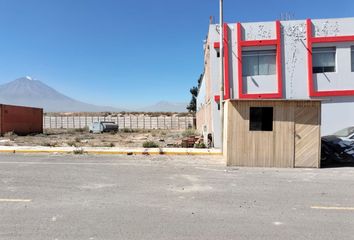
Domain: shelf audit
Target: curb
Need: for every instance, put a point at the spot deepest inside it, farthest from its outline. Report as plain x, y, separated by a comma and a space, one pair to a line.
27, 150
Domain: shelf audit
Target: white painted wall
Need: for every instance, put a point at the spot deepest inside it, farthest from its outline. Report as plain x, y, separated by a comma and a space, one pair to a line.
294, 60
337, 113
214, 74
260, 84
258, 30
201, 99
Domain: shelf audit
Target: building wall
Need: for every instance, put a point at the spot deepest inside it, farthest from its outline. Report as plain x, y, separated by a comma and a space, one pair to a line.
294, 67
203, 115
20, 120
295, 60
209, 115
336, 114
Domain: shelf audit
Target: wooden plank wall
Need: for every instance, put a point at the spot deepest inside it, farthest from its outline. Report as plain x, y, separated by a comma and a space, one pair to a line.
259, 148
307, 135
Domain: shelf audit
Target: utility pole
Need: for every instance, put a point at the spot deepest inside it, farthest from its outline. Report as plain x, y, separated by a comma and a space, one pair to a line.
221, 29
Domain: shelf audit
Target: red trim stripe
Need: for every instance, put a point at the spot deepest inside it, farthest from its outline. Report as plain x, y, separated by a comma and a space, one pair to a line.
332, 39
279, 61
256, 43
309, 57
239, 58
226, 63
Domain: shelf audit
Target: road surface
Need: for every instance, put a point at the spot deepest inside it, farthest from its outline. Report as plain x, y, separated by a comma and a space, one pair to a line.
167, 197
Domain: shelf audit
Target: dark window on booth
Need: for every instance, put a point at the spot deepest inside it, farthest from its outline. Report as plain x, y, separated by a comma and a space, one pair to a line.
261, 119
323, 59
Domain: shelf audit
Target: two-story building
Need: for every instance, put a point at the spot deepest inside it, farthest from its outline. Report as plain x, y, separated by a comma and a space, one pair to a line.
281, 60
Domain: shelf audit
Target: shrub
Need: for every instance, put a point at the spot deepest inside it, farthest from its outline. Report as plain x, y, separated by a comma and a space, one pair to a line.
50, 144
127, 130
199, 145
72, 143
79, 151
78, 130
150, 144
189, 133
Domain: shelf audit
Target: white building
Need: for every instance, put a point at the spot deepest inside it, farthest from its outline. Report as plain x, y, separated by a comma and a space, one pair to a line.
302, 59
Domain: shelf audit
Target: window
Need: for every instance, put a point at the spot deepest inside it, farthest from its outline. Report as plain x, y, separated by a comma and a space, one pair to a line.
258, 63
324, 59
261, 119
352, 52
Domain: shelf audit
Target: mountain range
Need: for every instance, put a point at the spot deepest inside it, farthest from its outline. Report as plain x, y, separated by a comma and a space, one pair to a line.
26, 91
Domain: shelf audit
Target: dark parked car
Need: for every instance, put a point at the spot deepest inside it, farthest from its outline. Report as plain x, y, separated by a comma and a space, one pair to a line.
338, 149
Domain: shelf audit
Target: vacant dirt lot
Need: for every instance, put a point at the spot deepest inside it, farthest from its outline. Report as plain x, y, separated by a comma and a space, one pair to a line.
82, 138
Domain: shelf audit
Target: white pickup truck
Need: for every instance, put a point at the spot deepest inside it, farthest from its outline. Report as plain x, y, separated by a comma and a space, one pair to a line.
100, 127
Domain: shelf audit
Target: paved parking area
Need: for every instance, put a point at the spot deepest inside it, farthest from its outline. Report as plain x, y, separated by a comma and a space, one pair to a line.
168, 197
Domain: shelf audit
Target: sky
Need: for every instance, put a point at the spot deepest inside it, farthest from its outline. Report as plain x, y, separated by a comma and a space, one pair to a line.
127, 53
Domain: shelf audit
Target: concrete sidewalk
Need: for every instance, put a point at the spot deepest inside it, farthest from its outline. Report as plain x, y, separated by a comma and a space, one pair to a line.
108, 150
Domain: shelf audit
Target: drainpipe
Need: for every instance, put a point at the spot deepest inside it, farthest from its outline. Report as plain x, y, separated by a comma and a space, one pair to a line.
221, 73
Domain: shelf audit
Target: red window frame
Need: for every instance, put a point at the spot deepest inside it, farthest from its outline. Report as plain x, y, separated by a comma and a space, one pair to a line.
313, 40
257, 43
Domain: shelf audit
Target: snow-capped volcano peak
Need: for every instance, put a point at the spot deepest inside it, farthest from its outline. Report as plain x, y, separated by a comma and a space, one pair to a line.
29, 78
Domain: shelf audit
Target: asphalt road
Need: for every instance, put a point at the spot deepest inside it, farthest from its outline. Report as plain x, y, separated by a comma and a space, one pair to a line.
164, 197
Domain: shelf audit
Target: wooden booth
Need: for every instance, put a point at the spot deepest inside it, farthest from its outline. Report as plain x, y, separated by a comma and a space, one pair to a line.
272, 133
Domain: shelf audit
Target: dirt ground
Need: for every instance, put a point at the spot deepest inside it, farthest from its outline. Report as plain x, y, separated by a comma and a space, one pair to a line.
82, 138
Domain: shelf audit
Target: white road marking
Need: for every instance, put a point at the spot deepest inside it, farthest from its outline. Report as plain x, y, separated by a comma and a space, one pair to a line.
97, 186
333, 208
278, 223
15, 200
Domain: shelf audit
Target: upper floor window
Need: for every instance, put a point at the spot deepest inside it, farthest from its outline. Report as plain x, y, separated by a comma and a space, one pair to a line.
256, 63
352, 53
324, 59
